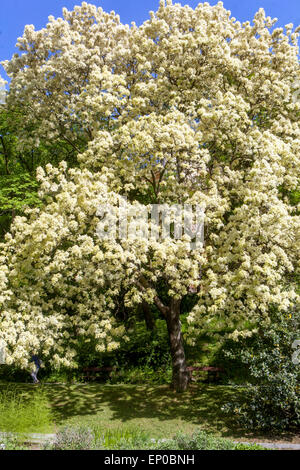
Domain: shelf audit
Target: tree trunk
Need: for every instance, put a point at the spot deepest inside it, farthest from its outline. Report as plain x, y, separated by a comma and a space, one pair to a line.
181, 377
149, 319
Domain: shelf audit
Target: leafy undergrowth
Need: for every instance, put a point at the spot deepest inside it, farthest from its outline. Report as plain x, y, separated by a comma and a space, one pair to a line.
84, 438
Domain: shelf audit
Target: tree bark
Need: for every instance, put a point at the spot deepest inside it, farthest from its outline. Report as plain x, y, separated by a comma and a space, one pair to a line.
181, 376
171, 313
6, 155
149, 319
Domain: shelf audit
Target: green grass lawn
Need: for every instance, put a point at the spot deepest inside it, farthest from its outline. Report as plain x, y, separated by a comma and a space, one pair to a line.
155, 409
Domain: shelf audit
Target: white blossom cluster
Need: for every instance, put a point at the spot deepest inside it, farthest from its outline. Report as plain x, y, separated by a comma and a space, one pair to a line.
2, 90
59, 281
191, 107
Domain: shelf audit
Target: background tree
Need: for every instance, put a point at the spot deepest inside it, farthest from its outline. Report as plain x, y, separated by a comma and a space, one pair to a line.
18, 164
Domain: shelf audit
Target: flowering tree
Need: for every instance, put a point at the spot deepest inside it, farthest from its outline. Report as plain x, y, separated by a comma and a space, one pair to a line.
192, 107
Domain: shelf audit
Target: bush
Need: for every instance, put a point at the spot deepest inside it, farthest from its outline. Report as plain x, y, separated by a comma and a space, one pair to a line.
10, 373
11, 442
272, 402
145, 348
200, 440
74, 438
86, 438
136, 439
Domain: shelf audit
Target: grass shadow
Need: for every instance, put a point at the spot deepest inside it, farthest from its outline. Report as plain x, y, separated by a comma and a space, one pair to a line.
157, 409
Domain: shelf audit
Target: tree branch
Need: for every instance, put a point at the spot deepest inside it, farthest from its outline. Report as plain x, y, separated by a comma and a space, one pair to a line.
143, 284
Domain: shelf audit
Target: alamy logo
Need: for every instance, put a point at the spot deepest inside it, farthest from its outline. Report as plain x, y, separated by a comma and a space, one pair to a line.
158, 222
296, 354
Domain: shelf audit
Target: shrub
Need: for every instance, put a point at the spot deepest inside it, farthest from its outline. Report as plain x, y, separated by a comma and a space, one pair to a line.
145, 348
273, 396
74, 438
200, 440
83, 438
86, 438
11, 442
10, 373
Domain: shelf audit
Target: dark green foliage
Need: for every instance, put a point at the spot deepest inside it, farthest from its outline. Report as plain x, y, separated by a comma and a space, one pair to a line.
273, 399
146, 348
144, 359
229, 357
142, 375
18, 186
10, 373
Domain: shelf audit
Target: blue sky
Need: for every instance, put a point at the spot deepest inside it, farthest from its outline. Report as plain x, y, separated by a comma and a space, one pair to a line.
15, 14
